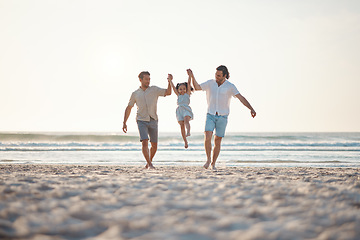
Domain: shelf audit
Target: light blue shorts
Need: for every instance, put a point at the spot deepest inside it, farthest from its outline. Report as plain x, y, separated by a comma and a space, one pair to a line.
216, 122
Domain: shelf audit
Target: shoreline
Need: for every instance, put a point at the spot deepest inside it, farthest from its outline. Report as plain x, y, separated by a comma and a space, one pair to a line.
178, 202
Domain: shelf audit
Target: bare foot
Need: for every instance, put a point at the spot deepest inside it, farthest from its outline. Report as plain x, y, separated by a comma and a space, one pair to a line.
146, 166
207, 164
213, 167
186, 144
151, 167
188, 134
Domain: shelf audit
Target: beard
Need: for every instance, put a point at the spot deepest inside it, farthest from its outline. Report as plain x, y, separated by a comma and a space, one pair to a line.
220, 81
145, 85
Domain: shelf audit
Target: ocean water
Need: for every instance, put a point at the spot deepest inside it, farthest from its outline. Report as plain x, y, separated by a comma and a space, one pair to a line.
238, 149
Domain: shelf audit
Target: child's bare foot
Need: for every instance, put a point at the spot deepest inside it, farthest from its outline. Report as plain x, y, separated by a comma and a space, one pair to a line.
207, 164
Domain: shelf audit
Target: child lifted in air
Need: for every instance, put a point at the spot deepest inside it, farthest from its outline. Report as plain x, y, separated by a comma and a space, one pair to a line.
183, 112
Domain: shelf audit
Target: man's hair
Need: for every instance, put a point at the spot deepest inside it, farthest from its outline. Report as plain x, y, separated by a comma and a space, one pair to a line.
143, 73
224, 70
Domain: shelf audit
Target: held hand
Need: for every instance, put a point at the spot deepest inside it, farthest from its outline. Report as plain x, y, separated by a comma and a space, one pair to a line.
170, 77
124, 127
189, 72
253, 113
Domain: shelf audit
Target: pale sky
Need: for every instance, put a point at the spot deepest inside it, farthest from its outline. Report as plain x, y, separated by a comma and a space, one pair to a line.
72, 65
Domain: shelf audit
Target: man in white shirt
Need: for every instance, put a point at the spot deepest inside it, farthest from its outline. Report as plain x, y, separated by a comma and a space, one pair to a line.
218, 94
146, 97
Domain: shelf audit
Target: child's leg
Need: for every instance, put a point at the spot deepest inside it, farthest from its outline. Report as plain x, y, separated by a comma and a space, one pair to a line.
187, 125
182, 127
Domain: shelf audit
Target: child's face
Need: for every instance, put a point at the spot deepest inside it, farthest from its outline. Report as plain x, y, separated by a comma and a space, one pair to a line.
182, 89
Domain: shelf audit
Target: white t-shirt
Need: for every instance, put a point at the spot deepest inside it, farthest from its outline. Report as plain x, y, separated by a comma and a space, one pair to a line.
218, 97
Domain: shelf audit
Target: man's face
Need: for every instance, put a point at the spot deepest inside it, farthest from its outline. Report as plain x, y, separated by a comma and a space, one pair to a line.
145, 82
219, 76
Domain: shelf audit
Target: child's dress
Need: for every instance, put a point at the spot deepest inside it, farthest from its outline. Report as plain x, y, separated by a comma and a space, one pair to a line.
183, 108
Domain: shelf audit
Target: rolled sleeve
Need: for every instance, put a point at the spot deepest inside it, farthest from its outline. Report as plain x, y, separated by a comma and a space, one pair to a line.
132, 100
234, 90
160, 91
205, 85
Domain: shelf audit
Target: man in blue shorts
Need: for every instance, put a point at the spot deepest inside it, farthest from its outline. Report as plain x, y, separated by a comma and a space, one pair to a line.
146, 98
218, 94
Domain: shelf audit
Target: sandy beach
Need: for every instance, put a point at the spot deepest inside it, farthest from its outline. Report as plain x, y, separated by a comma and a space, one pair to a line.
128, 202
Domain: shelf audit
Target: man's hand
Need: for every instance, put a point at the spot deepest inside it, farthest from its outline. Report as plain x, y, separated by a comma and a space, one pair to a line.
189, 72
253, 113
170, 77
196, 86
124, 127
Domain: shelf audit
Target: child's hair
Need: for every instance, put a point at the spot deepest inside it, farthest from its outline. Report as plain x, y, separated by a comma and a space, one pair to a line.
184, 83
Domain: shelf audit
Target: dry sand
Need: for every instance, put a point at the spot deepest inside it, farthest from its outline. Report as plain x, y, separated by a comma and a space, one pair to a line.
127, 202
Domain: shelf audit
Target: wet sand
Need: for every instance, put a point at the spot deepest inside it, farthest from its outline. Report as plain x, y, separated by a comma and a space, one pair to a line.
128, 202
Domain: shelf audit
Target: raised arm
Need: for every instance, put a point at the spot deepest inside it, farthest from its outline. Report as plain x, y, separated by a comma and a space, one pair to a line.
126, 116
194, 82
188, 90
246, 103
168, 90
170, 78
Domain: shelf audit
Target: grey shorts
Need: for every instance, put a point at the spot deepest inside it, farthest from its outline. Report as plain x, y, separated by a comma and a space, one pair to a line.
148, 129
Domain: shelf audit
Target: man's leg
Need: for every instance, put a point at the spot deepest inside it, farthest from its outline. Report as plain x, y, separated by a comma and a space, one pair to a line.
153, 150
220, 128
145, 151
207, 144
209, 128
143, 131
153, 134
217, 147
